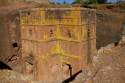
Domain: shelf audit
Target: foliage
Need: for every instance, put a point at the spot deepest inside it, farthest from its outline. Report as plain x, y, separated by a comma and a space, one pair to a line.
89, 1
64, 2
77, 1
102, 1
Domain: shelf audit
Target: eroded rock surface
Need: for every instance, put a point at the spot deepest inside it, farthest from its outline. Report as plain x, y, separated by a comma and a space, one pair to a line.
108, 66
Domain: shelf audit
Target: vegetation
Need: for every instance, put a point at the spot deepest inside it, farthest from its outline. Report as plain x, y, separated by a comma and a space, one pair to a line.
90, 1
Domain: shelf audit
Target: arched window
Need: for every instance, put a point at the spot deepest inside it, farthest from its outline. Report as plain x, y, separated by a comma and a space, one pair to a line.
28, 13
67, 69
30, 31
51, 33
69, 33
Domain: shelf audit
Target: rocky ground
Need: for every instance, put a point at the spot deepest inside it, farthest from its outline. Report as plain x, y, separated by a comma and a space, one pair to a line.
108, 66
7, 76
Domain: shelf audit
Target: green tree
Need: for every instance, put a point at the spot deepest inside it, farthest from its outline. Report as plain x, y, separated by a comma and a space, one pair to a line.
102, 1
77, 1
64, 2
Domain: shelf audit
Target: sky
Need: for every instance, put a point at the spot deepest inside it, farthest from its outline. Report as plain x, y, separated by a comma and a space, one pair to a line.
70, 1
112, 0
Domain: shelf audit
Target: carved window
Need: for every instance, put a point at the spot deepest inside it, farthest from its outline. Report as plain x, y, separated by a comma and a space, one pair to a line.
67, 69
51, 33
30, 31
69, 33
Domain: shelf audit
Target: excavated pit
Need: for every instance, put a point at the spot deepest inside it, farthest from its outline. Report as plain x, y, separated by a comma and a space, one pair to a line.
107, 65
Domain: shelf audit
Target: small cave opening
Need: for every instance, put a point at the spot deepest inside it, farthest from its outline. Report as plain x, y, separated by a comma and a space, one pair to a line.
15, 45
4, 66
116, 43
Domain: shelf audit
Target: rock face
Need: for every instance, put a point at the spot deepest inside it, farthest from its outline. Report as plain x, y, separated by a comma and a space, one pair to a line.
109, 28
6, 2
10, 49
108, 66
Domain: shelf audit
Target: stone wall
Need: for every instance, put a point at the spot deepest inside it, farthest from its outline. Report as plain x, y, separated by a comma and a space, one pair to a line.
109, 28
